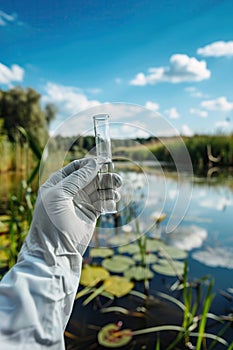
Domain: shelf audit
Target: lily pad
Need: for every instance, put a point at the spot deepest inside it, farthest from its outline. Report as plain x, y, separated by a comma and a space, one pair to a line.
172, 252
111, 336
101, 252
118, 286
91, 275
138, 273
169, 269
119, 240
150, 258
118, 263
123, 239
129, 249
153, 245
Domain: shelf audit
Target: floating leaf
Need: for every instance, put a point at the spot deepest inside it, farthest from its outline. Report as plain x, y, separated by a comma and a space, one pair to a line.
150, 258
138, 273
118, 286
172, 252
111, 336
118, 240
129, 248
101, 252
153, 245
123, 239
169, 269
118, 263
91, 275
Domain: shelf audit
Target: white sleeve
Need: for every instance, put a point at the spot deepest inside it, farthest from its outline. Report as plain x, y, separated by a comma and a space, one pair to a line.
36, 301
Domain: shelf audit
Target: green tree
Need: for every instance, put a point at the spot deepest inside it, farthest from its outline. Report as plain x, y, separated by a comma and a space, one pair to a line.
21, 107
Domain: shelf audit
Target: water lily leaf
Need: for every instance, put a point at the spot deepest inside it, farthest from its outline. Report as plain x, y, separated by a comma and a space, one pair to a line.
123, 239
138, 273
101, 252
91, 275
118, 263
111, 336
153, 245
118, 240
129, 249
169, 269
150, 258
172, 252
118, 286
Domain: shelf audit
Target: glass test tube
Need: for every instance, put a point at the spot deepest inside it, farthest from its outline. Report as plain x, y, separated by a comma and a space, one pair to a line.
104, 158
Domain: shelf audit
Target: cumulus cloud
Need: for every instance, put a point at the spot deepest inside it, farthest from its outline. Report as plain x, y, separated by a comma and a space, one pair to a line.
11, 74
172, 113
6, 18
69, 99
217, 49
223, 125
182, 69
194, 92
154, 106
219, 104
186, 131
198, 112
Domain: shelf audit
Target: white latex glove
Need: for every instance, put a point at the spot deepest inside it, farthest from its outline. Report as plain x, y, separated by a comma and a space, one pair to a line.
37, 294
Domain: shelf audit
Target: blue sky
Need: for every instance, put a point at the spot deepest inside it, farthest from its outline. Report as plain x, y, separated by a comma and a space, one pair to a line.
173, 57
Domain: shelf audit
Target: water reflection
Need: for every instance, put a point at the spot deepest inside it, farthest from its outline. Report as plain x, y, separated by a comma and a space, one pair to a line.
186, 237
205, 231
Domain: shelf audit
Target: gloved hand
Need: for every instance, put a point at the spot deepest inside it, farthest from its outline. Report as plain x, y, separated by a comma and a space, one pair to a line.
37, 294
68, 205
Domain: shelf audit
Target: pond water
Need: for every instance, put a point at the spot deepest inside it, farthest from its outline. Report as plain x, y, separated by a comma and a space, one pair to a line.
200, 221
197, 217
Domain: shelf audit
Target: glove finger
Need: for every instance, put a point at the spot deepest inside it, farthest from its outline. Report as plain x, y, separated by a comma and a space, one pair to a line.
80, 178
61, 173
116, 180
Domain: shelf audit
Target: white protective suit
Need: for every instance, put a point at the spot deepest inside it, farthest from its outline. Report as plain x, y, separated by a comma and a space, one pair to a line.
37, 294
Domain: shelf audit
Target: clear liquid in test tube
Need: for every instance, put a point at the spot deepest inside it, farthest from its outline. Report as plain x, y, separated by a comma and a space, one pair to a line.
104, 158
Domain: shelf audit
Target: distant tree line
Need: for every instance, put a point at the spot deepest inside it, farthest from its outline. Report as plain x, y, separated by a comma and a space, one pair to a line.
22, 108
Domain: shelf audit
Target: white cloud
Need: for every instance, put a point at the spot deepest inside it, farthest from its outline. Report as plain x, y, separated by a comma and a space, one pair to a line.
12, 74
186, 131
217, 49
5, 18
154, 106
172, 113
222, 125
195, 93
219, 104
68, 98
182, 69
199, 112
